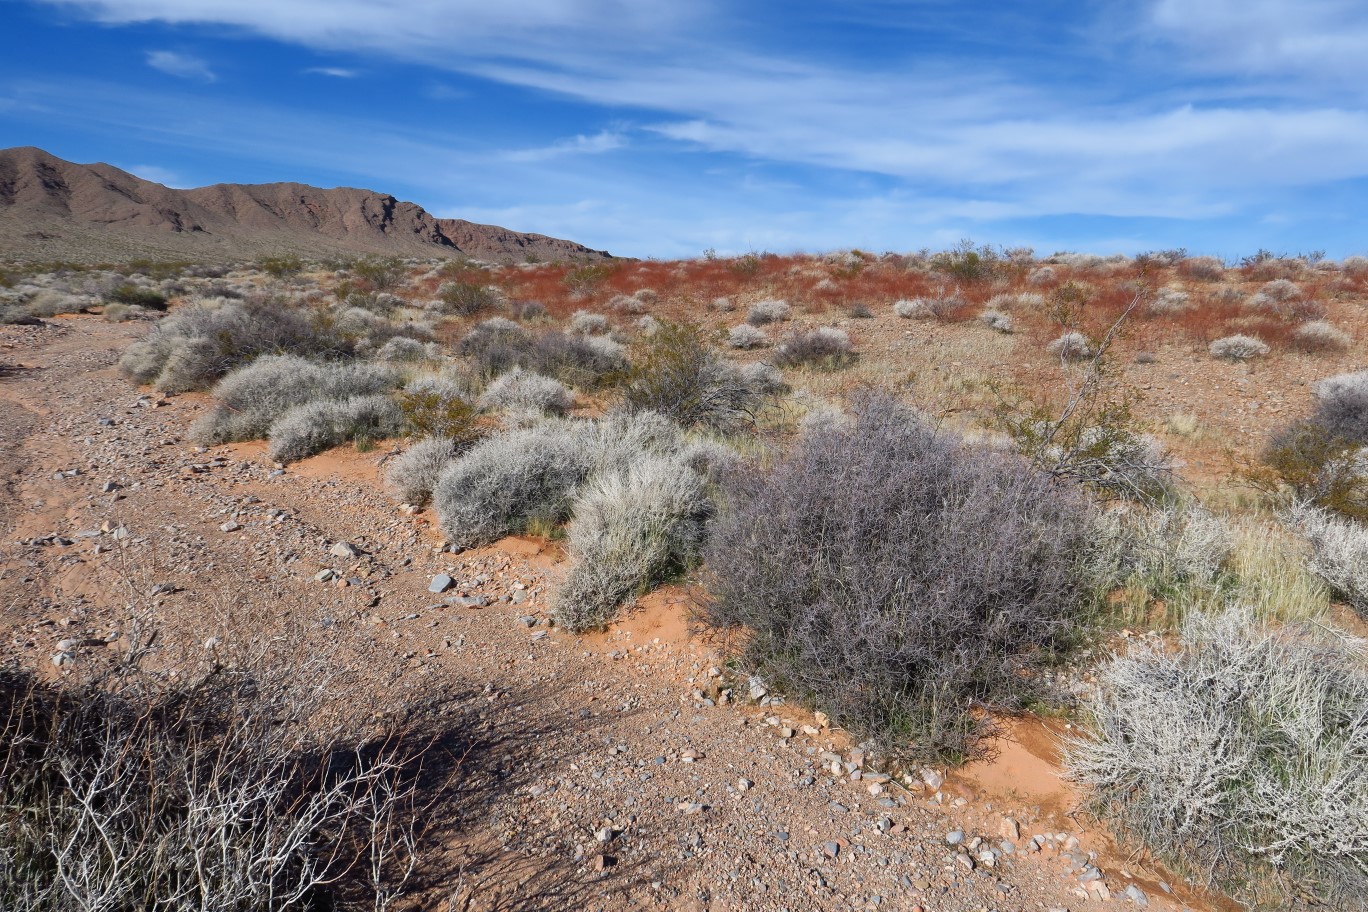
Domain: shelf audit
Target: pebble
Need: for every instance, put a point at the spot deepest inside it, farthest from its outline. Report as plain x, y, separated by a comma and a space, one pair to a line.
345, 550
229, 526
954, 837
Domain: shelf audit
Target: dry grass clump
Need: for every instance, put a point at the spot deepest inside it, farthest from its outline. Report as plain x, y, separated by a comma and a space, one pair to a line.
933, 308
746, 336
213, 794
1167, 302
825, 348
768, 311
1243, 756
584, 323
250, 399
526, 396
1238, 348
632, 528
898, 579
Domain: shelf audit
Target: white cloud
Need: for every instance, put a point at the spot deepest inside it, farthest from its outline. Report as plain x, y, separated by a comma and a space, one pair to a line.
603, 141
335, 72
156, 174
183, 66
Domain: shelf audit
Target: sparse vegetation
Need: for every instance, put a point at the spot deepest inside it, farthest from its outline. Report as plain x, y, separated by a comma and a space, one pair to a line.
308, 429
824, 348
681, 377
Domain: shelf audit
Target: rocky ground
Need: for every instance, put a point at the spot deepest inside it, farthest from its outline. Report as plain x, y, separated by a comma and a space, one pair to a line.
615, 771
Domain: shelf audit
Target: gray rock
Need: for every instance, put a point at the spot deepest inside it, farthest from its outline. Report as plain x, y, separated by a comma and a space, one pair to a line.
440, 583
344, 550
954, 837
1136, 895
527, 620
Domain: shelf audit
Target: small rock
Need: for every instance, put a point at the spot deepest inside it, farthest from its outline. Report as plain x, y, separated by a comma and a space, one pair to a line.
690, 807
831, 849
1136, 895
229, 526
527, 620
344, 550
324, 576
440, 583
744, 785
933, 779
1009, 829
954, 837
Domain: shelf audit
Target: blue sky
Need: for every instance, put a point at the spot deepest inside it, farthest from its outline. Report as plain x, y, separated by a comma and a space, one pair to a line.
663, 128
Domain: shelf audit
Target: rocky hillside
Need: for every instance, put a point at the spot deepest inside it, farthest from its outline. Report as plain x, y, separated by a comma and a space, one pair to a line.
52, 209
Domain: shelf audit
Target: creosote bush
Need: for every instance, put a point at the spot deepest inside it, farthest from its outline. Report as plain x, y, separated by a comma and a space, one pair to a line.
678, 375
898, 579
1242, 756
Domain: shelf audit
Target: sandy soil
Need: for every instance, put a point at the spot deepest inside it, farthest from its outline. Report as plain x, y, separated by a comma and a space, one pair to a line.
563, 735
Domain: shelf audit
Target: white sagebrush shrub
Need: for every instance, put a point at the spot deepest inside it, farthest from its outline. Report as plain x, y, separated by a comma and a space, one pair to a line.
996, 320
647, 325
1339, 553
1072, 346
1238, 348
722, 305
633, 527
414, 473
746, 336
1041, 275
584, 323
1167, 302
508, 482
525, 395
1243, 751
763, 379
404, 348
768, 311
914, 309
710, 458
1320, 335
313, 427
250, 399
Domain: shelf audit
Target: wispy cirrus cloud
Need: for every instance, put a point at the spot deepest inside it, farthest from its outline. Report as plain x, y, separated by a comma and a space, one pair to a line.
182, 66
598, 143
335, 72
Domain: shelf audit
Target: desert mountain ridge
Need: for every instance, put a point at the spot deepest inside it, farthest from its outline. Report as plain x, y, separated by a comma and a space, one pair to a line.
52, 209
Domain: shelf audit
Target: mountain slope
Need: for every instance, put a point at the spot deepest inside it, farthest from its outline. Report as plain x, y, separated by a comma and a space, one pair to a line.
51, 209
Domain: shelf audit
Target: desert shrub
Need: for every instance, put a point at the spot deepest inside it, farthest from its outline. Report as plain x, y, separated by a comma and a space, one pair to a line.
860, 311
825, 348
899, 580
1283, 298
467, 298
414, 473
526, 395
764, 379
710, 458
746, 336
321, 424
511, 482
925, 308
1242, 755
1041, 275
1320, 336
1072, 346
1167, 302
996, 320
584, 323
440, 407
768, 311
527, 311
404, 348
1324, 467
499, 345
1238, 348
1339, 553
1203, 268
250, 399
381, 273
1175, 553
142, 297
125, 794
195, 346
620, 439
680, 376
722, 305
632, 528
647, 325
